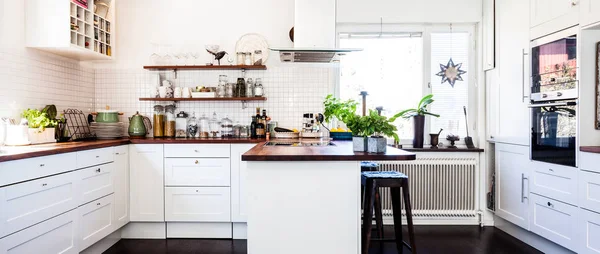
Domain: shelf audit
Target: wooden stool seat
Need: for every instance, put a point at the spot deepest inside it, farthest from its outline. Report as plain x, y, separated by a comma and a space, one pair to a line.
396, 181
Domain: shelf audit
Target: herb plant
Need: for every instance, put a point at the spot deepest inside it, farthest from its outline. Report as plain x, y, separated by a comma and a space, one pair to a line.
38, 120
421, 109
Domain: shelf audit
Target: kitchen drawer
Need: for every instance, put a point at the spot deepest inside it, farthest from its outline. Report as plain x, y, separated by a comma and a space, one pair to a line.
197, 172
589, 191
197, 150
96, 182
589, 232
556, 182
553, 220
56, 235
95, 221
29, 169
94, 157
121, 150
202, 204
28, 203
589, 162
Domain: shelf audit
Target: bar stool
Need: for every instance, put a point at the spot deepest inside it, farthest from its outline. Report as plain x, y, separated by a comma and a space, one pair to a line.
366, 166
395, 181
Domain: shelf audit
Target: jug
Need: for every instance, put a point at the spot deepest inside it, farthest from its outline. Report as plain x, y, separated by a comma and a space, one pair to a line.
139, 126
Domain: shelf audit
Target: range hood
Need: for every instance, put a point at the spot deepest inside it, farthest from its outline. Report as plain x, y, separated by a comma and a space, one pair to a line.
314, 34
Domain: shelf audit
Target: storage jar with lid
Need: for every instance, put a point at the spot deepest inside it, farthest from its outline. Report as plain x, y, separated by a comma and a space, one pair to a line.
248, 59
259, 91
214, 126
221, 92
240, 58
249, 88
159, 121
245, 131
229, 90
226, 128
204, 126
170, 121
258, 57
241, 87
192, 126
181, 125
237, 130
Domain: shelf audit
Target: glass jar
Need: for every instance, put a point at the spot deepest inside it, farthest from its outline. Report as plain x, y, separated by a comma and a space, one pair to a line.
192, 126
241, 87
249, 88
248, 59
240, 58
237, 130
259, 91
226, 128
221, 88
204, 126
245, 131
258, 57
170, 121
159, 121
181, 125
214, 126
229, 90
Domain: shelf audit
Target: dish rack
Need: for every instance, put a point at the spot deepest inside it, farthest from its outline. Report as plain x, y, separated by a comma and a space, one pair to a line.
77, 125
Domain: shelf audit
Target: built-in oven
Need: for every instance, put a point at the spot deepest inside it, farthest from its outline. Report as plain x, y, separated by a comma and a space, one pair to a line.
554, 132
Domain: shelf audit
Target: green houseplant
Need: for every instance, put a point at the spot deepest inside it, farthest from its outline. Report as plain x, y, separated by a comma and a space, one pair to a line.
41, 125
418, 114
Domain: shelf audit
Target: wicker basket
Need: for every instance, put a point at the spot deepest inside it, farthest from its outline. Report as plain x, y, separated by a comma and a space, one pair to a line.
287, 135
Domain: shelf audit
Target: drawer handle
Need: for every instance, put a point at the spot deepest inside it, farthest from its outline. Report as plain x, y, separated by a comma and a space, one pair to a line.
97, 156
196, 151
550, 205
44, 184
98, 170
42, 165
196, 190
196, 162
117, 153
98, 204
551, 170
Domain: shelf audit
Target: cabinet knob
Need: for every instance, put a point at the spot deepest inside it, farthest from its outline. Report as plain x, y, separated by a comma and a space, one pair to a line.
42, 165
98, 204
98, 170
196, 151
44, 184
117, 153
97, 156
550, 204
196, 162
551, 170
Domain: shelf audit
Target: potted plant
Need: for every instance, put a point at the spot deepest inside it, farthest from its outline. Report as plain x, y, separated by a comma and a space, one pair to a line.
380, 127
418, 115
345, 111
41, 125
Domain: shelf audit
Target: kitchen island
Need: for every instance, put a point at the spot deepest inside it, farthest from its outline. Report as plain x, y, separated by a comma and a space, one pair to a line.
304, 197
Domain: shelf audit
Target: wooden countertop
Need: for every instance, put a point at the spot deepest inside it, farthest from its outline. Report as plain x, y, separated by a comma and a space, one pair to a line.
342, 151
590, 149
9, 153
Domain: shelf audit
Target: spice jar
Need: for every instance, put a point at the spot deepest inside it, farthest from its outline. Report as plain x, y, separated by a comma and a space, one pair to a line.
237, 130
248, 59
192, 126
258, 57
240, 87
229, 90
258, 88
240, 58
214, 126
204, 126
249, 88
226, 128
181, 125
221, 89
159, 121
245, 131
170, 121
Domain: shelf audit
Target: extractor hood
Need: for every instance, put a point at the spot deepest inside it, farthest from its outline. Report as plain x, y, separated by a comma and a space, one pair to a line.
314, 34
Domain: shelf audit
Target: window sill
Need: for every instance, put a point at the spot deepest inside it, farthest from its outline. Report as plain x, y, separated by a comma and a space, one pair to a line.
444, 150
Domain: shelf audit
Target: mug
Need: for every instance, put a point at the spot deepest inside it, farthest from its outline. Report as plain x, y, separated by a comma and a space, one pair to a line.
186, 92
153, 92
162, 92
177, 93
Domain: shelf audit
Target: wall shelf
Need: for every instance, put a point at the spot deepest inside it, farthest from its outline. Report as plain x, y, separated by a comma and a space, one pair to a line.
207, 99
205, 67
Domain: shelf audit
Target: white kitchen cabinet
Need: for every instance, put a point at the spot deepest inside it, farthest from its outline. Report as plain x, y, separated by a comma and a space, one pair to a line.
197, 204
197, 172
121, 185
95, 221
23, 170
239, 188
56, 235
488, 31
146, 183
589, 191
95, 182
197, 150
589, 12
589, 232
554, 220
94, 157
28, 203
512, 64
512, 187
555, 181
549, 16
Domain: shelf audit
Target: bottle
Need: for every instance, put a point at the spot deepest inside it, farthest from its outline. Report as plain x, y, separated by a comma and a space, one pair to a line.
260, 129
159, 121
264, 119
259, 91
253, 127
241, 87
250, 88
258, 116
192, 126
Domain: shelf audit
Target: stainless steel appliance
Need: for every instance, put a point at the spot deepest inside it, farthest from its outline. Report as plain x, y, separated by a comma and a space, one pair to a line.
554, 132
554, 67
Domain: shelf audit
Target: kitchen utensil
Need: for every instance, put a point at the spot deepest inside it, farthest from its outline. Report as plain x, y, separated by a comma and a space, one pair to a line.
452, 139
137, 126
252, 42
434, 137
78, 125
279, 129
468, 139
17, 135
162, 92
107, 115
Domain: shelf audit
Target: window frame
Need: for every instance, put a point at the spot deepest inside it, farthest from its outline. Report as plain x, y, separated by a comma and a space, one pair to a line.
426, 30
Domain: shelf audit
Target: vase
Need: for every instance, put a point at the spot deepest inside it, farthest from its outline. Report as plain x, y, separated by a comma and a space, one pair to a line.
419, 129
359, 144
377, 145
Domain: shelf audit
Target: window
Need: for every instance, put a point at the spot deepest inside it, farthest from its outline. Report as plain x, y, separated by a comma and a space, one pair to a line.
398, 69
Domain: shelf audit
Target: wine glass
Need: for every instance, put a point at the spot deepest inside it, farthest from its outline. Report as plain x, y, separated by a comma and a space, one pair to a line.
156, 56
168, 55
195, 55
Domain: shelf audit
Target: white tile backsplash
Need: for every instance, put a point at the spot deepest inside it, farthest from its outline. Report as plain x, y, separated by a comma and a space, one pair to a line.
290, 91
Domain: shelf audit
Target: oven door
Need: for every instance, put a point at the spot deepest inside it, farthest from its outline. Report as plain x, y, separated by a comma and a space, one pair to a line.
554, 132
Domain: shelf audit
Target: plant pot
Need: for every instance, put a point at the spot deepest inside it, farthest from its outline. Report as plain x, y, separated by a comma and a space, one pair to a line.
41, 137
419, 129
377, 145
359, 144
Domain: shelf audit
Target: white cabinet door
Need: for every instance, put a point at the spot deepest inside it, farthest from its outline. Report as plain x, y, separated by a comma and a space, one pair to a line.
94, 157
239, 172
95, 221
589, 191
512, 63
550, 16
95, 182
146, 183
197, 150
56, 235
512, 191
555, 181
554, 220
24, 204
197, 172
121, 185
36, 167
589, 232
589, 12
197, 204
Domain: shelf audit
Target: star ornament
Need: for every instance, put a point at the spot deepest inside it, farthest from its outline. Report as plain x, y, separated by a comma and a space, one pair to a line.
451, 72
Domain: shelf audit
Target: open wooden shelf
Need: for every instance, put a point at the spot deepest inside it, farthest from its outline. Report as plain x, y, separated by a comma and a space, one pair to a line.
207, 99
205, 67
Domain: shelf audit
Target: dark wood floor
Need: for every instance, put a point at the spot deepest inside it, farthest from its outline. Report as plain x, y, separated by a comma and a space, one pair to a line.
430, 239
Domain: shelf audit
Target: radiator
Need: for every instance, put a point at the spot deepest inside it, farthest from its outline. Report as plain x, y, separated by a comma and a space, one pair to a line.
440, 188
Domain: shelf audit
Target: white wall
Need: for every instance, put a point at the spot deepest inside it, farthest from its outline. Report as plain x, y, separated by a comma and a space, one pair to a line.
409, 11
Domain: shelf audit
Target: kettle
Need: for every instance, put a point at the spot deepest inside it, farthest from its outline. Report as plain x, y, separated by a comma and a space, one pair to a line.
139, 126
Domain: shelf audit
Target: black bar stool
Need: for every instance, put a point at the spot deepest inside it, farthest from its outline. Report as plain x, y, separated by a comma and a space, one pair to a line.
395, 181
366, 166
